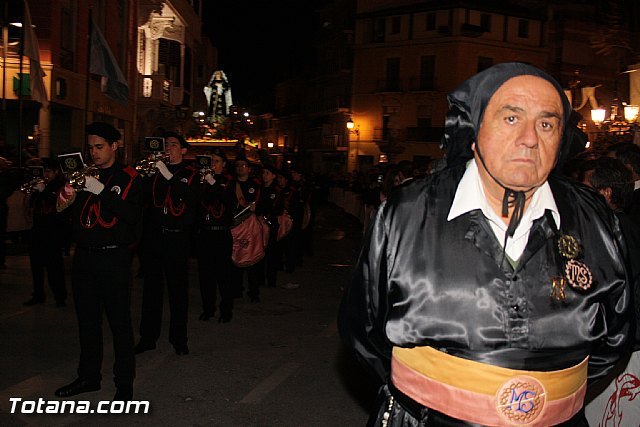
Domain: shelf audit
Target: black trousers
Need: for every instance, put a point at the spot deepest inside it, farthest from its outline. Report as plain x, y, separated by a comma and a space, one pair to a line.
165, 256
100, 280
45, 254
293, 248
273, 257
214, 266
4, 217
255, 279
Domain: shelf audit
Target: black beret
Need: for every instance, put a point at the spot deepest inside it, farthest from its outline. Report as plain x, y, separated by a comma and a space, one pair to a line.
103, 130
271, 168
50, 163
241, 158
183, 142
220, 153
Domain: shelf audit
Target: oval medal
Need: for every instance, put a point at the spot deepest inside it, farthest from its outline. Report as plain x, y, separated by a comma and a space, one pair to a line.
578, 275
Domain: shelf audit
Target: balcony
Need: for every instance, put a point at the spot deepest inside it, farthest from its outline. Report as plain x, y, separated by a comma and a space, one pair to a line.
431, 134
469, 30
160, 89
421, 84
386, 85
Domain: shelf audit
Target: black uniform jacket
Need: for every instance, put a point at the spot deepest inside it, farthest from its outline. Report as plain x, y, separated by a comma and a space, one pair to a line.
216, 205
172, 203
424, 281
113, 217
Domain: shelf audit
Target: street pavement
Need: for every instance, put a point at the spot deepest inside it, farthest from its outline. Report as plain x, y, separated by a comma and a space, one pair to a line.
279, 362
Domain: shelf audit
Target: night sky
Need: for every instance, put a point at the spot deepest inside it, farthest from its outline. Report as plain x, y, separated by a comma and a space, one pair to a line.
260, 43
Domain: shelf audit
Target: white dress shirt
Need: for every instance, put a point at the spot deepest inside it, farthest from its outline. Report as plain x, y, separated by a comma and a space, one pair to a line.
470, 196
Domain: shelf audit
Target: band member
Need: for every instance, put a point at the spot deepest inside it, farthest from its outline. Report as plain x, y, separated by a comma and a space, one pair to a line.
46, 239
106, 218
214, 241
244, 191
172, 196
271, 205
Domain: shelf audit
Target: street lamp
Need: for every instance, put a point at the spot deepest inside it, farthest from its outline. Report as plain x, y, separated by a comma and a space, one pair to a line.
355, 131
598, 115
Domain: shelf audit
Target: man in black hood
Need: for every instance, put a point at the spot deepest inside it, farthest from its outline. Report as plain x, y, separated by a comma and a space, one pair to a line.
493, 292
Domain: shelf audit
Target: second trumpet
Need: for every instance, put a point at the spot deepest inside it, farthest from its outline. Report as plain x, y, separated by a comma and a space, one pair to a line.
147, 166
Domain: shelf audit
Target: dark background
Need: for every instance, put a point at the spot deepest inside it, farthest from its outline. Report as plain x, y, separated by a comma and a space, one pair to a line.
259, 44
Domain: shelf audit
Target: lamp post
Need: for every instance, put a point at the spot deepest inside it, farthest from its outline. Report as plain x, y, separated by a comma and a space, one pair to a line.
353, 130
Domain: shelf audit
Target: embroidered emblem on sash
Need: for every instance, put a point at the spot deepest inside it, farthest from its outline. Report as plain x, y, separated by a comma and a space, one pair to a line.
521, 400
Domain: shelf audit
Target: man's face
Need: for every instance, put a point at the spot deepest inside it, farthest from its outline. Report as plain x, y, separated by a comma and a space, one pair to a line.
50, 174
102, 152
267, 176
242, 169
520, 133
217, 164
176, 152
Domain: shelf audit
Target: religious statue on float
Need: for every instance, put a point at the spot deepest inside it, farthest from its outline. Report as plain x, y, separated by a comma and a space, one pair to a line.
218, 93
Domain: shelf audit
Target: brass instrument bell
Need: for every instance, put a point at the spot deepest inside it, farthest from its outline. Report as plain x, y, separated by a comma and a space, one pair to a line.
77, 179
30, 186
147, 166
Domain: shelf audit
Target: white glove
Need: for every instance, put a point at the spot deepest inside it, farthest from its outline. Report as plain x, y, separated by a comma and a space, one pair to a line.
210, 179
39, 187
93, 185
162, 168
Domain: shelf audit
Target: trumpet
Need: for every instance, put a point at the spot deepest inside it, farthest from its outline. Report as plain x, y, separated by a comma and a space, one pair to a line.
30, 186
147, 166
78, 179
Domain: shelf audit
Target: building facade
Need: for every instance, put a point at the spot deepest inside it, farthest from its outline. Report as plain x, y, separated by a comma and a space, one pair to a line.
157, 45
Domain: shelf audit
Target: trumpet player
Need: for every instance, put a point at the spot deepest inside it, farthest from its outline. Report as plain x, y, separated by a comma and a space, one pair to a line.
172, 196
214, 241
106, 218
46, 238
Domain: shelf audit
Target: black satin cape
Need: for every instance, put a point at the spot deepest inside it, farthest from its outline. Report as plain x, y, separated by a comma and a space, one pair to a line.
423, 281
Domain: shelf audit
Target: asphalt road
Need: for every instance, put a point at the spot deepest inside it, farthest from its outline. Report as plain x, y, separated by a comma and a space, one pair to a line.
278, 363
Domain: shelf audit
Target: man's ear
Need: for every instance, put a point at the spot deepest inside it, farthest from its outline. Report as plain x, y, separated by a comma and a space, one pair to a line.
473, 146
183, 151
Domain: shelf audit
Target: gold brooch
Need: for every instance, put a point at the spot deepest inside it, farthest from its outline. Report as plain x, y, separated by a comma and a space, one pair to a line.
568, 246
557, 288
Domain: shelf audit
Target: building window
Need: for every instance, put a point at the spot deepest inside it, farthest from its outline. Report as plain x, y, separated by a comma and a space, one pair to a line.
393, 75
427, 72
169, 58
424, 116
379, 30
67, 37
396, 24
523, 29
484, 63
485, 22
430, 23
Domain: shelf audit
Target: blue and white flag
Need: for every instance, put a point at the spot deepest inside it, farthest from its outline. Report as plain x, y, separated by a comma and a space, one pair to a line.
32, 50
103, 63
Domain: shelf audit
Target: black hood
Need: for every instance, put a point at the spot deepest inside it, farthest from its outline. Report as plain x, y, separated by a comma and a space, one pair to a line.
468, 102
